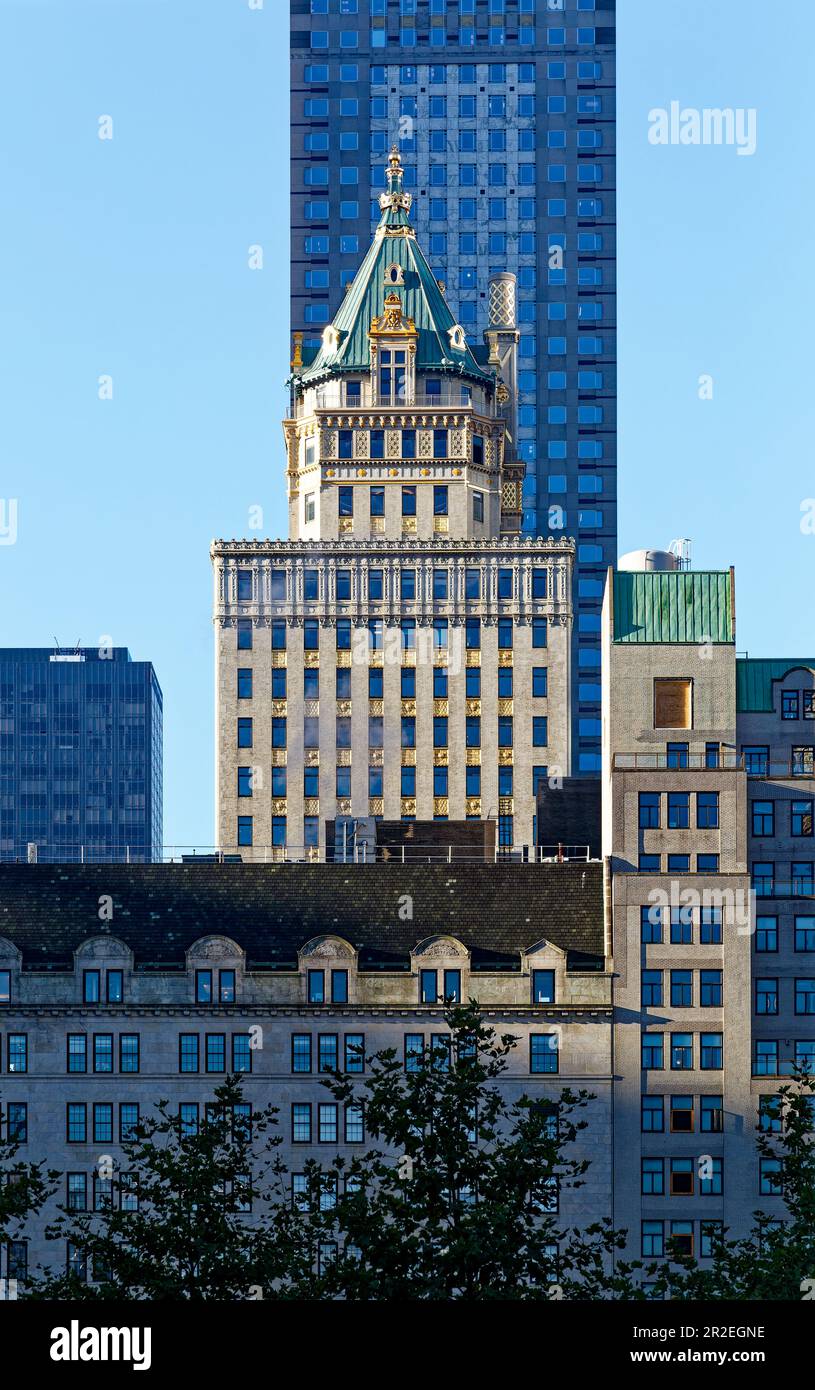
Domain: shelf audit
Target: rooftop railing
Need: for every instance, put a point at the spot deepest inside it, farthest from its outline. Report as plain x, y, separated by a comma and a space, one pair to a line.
335, 396
368, 852
658, 761
353, 852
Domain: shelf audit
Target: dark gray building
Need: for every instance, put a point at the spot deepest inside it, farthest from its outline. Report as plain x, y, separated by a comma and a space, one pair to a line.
80, 756
505, 117
272, 971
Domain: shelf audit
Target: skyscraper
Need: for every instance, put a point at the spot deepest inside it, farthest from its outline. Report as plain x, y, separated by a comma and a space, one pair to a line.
405, 655
80, 756
504, 111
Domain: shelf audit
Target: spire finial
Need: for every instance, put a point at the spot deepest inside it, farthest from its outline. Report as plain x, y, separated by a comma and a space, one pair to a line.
395, 172
394, 196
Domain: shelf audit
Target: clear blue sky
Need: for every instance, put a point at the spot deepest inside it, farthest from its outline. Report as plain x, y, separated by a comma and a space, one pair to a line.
128, 257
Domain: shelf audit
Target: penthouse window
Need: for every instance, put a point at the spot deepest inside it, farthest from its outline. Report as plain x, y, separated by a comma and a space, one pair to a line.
673, 704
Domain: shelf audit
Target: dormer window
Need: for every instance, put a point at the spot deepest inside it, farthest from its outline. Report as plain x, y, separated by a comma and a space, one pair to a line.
392, 375
394, 275
331, 339
458, 342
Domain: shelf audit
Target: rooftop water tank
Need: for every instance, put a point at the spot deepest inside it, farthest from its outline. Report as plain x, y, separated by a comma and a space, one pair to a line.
648, 560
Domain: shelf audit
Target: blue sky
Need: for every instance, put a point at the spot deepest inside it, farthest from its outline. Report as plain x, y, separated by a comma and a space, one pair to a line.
129, 258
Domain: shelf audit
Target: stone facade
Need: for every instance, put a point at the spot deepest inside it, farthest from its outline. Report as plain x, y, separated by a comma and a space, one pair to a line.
776, 732
708, 793
406, 653
260, 986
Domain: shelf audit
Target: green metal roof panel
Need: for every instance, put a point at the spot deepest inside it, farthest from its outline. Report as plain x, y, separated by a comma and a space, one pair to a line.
755, 677
421, 298
673, 606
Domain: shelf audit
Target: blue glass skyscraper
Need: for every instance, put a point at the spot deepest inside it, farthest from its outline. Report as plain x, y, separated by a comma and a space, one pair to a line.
504, 111
80, 756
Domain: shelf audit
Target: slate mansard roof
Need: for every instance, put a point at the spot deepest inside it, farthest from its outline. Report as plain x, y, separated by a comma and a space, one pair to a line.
421, 297
159, 910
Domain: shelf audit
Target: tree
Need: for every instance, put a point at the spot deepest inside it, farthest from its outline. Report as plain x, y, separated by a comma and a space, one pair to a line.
459, 1198
776, 1260
195, 1213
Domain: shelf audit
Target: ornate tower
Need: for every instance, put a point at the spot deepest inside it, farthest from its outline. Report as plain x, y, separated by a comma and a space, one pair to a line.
405, 653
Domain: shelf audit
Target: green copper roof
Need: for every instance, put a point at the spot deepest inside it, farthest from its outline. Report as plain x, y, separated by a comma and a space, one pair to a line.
421, 299
673, 606
755, 677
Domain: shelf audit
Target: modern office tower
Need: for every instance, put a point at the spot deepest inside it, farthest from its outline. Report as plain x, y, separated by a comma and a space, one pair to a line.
405, 655
80, 756
775, 716
505, 116
279, 973
675, 828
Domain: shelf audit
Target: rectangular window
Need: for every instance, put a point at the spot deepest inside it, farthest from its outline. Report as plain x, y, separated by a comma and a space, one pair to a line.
316, 986
653, 1051
188, 1052
682, 1175
711, 1114
327, 1128
672, 704
681, 1052
114, 982
682, 1114
711, 1051
301, 1052
76, 1123
653, 1177
215, 1052
103, 1052
681, 989
543, 986
77, 1052
128, 1121
652, 1115
77, 1191
651, 924
766, 934
241, 1052
763, 818
103, 1123
354, 1052
710, 926
128, 1052
91, 984
710, 989
354, 1125
649, 803
681, 926
543, 1053
414, 1051
301, 1124
327, 1052
17, 1120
